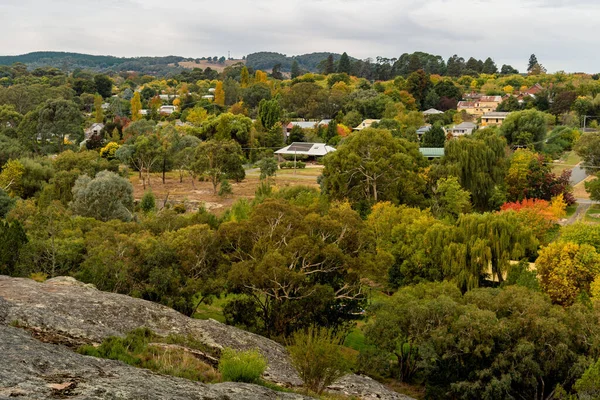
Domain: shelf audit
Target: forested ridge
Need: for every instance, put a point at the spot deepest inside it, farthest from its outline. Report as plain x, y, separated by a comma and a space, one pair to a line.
457, 276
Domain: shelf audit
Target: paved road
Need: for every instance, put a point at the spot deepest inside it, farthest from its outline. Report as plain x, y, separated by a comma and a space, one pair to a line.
577, 174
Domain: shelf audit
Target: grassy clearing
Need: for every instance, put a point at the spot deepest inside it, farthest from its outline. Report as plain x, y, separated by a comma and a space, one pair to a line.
567, 161
571, 210
213, 310
144, 349
593, 214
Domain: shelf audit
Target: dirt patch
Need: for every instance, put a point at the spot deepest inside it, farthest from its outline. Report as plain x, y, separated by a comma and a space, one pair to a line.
198, 193
579, 189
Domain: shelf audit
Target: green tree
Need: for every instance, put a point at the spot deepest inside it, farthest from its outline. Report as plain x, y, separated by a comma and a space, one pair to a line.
60, 121
480, 165
374, 166
525, 128
295, 69
12, 240
532, 62
344, 64
296, 134
418, 85
588, 148
268, 167
269, 113
329, 66
434, 137
148, 202
463, 345
142, 154
6, 203
450, 199
107, 196
489, 66
490, 239
215, 159
316, 355
103, 85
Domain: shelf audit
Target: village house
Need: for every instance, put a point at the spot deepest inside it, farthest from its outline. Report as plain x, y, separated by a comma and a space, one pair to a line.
166, 110
464, 128
95, 129
366, 124
432, 111
311, 150
479, 107
495, 118
301, 124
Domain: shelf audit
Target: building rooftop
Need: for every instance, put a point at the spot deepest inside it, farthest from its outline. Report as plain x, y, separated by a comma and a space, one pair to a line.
495, 114
308, 149
432, 152
432, 111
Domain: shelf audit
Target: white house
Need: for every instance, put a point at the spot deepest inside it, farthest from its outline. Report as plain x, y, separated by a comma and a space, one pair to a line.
94, 130
464, 128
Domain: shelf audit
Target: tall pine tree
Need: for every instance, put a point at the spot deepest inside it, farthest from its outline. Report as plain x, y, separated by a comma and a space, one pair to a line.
344, 64
295, 69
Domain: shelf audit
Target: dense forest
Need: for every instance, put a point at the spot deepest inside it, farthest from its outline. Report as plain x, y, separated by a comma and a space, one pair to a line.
456, 277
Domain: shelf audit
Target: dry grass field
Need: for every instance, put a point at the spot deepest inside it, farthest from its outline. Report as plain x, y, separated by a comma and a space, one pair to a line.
204, 64
198, 193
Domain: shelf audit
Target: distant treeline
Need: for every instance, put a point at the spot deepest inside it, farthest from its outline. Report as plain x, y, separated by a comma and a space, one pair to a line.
380, 68
72, 61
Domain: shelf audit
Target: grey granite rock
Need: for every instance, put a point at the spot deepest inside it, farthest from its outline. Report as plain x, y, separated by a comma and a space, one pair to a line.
65, 311
31, 369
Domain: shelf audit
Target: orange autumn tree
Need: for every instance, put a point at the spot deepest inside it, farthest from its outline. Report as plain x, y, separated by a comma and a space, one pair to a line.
538, 215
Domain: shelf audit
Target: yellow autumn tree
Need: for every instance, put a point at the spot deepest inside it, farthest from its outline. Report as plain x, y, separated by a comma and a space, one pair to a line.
196, 116
99, 113
508, 89
136, 107
244, 77
220, 94
558, 207
260, 76
177, 102
566, 269
11, 177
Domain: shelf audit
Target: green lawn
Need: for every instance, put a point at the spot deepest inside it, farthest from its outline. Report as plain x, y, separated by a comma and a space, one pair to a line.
213, 310
568, 161
593, 214
571, 210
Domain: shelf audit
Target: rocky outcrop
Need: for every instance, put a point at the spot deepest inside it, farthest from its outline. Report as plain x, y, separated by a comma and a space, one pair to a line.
31, 369
65, 311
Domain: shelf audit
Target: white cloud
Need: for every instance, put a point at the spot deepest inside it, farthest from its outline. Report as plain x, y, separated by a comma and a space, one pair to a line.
560, 33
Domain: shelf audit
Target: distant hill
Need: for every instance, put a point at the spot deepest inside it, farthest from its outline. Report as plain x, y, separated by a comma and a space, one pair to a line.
265, 60
159, 65
71, 61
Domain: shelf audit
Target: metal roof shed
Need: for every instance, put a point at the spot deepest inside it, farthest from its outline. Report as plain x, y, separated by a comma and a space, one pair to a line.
307, 149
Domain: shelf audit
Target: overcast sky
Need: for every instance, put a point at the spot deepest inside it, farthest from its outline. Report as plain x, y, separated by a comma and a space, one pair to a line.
560, 32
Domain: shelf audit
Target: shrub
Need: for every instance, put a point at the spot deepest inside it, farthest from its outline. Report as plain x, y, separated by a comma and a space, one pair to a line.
242, 366
148, 202
290, 165
225, 189
316, 355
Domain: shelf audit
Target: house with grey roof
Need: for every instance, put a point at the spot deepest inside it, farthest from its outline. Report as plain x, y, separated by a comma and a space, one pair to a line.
464, 128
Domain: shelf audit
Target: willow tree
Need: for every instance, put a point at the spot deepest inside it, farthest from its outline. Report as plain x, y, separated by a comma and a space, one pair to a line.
485, 245
480, 165
373, 165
